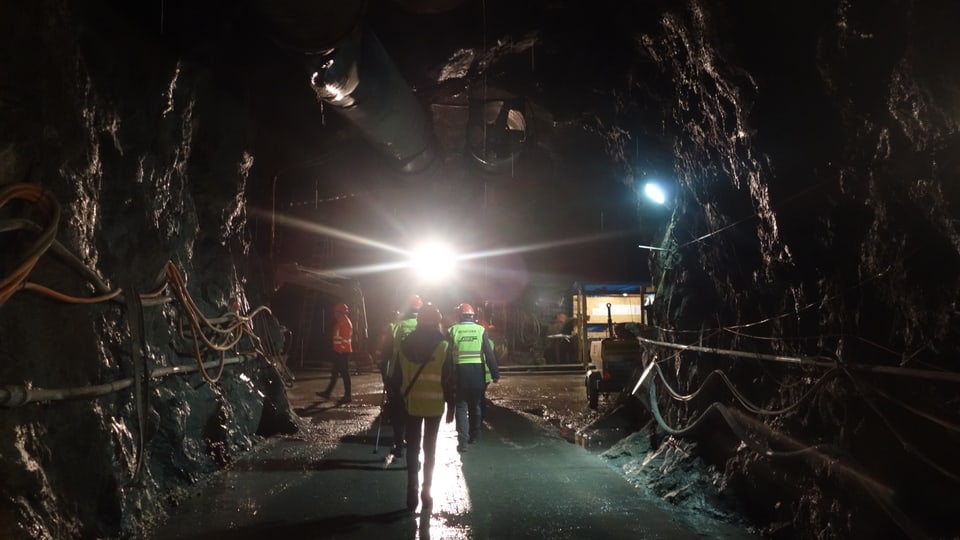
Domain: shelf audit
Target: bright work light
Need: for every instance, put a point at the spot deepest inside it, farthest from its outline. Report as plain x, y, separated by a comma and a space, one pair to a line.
654, 192
433, 260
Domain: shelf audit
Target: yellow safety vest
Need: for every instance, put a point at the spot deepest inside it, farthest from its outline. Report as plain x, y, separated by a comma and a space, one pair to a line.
424, 397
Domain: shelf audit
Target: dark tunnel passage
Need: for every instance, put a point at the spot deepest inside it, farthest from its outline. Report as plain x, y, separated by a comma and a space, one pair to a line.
758, 196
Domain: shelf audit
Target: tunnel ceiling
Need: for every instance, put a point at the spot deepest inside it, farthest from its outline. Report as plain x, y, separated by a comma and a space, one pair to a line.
566, 68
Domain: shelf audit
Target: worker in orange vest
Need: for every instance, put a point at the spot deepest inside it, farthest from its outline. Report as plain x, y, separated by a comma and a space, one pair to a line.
342, 348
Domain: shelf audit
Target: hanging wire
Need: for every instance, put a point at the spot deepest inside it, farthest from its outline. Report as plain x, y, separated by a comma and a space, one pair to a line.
825, 453
743, 400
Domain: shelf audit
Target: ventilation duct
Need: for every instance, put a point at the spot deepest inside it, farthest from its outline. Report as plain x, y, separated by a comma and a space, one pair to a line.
352, 73
496, 134
358, 79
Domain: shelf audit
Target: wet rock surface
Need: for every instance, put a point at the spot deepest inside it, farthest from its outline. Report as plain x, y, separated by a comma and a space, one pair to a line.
141, 177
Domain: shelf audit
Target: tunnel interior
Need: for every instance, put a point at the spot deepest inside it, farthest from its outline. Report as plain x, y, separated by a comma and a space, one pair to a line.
161, 163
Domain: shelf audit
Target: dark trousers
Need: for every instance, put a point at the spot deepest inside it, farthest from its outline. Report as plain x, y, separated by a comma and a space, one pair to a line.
341, 368
468, 415
426, 428
483, 402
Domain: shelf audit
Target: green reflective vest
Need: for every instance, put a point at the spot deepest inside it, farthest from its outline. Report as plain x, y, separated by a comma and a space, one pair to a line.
401, 330
467, 343
425, 396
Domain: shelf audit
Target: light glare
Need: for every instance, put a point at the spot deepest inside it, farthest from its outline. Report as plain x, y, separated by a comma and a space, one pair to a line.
434, 259
654, 193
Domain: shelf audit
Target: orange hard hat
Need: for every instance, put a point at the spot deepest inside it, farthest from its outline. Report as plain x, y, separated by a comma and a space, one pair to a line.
429, 316
341, 308
466, 309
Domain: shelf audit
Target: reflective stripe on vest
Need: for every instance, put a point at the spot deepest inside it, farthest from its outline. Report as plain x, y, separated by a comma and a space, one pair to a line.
468, 347
343, 336
425, 397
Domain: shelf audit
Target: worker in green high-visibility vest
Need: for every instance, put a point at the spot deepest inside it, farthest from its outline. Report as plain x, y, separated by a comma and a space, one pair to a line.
472, 355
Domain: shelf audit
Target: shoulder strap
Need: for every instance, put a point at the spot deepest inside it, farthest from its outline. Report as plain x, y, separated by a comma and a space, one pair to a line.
413, 380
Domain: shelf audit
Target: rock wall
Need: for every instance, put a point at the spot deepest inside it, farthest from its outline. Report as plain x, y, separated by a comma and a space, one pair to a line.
145, 150
815, 148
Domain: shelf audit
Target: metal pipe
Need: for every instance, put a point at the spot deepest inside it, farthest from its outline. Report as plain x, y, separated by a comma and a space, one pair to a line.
888, 370
15, 396
582, 329
159, 373
609, 321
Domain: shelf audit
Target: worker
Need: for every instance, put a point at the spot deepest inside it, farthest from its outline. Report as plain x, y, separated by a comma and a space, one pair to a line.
406, 324
577, 339
471, 352
342, 348
428, 384
553, 349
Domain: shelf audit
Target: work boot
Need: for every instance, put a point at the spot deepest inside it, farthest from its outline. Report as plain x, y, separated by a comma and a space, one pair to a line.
345, 399
462, 448
397, 450
325, 394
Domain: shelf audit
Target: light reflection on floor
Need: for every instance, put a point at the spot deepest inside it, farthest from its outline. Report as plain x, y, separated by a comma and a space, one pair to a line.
451, 498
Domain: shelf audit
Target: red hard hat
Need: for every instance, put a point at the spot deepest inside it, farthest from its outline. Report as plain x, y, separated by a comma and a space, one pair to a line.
429, 316
341, 308
416, 302
466, 309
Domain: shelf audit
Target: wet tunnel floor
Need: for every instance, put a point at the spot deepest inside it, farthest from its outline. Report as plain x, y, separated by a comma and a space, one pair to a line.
521, 480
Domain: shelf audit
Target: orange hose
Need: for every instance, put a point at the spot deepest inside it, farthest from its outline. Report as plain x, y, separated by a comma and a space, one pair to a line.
30, 286
40, 197
17, 280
